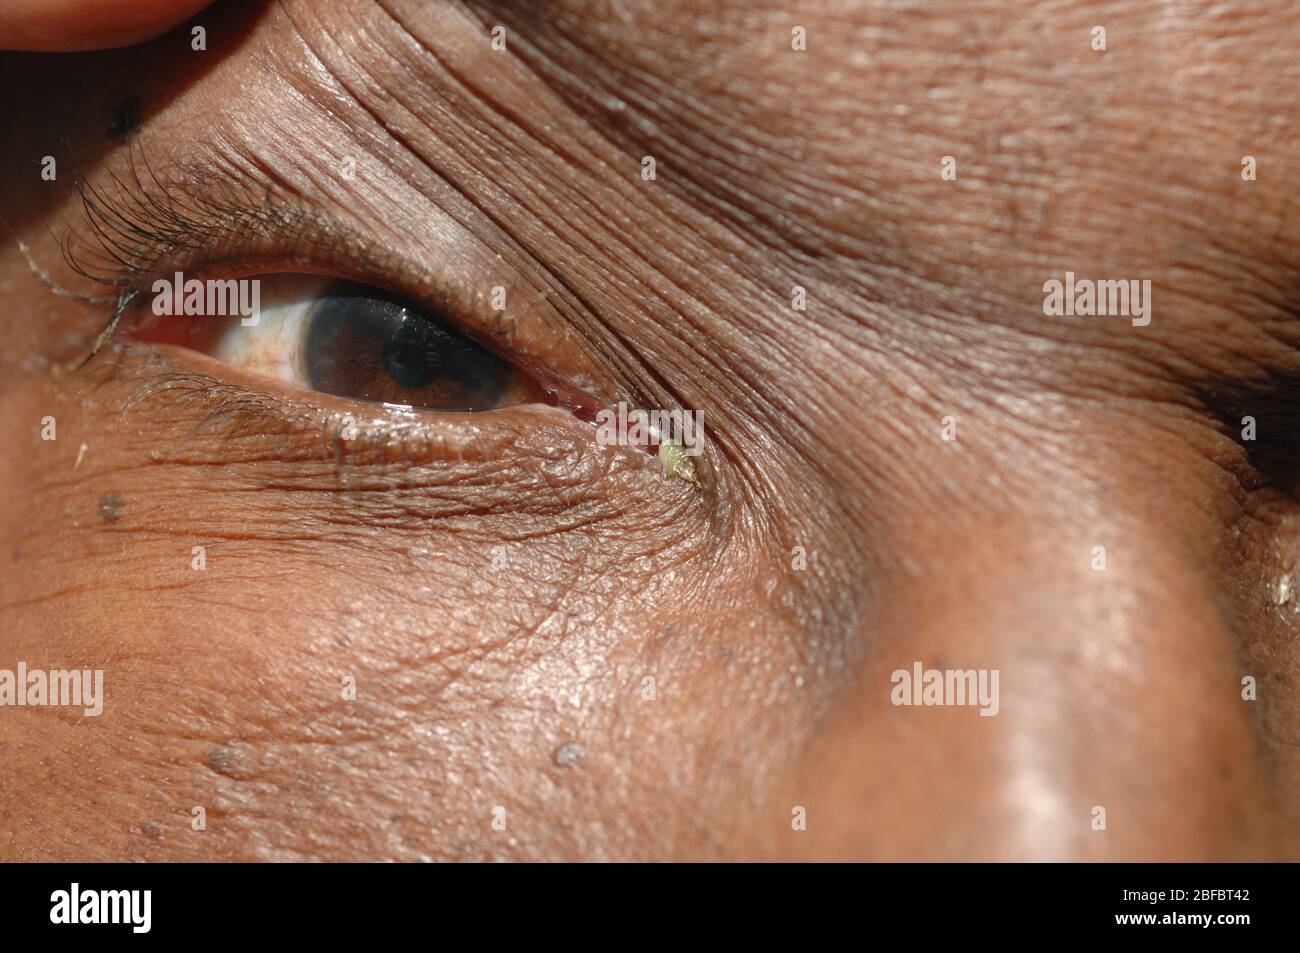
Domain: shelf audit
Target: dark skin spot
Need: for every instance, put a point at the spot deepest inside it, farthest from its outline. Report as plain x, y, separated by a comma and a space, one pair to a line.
221, 760
110, 508
125, 120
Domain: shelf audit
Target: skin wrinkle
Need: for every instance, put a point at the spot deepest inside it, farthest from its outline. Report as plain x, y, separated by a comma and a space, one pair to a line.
538, 196
650, 383
722, 442
414, 162
1120, 687
720, 437
612, 112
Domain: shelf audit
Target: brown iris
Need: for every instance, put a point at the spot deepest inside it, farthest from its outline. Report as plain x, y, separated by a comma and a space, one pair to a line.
364, 344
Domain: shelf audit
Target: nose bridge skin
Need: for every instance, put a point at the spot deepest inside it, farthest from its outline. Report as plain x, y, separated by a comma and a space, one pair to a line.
1099, 588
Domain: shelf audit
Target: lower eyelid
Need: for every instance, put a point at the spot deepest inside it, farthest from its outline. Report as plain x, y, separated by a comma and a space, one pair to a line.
536, 469
318, 422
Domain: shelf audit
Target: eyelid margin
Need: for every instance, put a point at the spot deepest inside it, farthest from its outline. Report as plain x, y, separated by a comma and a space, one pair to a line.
138, 234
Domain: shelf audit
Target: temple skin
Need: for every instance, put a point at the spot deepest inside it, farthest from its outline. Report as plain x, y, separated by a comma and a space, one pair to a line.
498, 639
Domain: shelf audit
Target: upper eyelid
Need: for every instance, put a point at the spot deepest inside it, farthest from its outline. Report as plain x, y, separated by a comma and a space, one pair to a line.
126, 234
136, 228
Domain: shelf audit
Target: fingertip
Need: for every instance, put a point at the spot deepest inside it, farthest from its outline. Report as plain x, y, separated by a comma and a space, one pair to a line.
72, 25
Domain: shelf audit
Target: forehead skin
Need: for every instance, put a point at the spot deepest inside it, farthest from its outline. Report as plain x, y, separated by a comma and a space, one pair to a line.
713, 687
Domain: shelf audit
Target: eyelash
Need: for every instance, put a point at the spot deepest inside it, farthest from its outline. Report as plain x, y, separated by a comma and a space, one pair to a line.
131, 234
111, 249
141, 231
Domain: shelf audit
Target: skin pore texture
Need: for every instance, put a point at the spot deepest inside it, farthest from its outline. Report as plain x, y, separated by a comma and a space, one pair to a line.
558, 653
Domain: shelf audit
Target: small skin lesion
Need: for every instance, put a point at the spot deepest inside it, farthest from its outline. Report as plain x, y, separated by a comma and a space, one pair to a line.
568, 755
110, 508
676, 463
126, 119
223, 760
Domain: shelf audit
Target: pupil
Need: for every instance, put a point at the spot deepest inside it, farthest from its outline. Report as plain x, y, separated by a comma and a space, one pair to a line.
411, 355
365, 344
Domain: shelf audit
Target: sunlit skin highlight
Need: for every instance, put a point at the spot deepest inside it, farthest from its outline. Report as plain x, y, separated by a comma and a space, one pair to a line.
498, 586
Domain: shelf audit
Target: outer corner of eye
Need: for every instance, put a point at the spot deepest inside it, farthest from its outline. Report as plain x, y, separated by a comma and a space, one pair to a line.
337, 337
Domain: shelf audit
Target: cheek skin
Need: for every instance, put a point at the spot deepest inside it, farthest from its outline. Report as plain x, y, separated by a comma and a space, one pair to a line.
393, 641
489, 609
523, 688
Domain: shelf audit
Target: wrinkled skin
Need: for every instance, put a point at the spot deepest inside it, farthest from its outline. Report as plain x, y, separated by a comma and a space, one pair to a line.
1120, 688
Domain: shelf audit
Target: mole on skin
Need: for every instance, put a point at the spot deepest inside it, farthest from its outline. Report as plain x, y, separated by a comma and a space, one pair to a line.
126, 119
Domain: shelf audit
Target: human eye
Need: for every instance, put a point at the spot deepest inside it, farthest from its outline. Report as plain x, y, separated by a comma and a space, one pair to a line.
399, 333
347, 339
